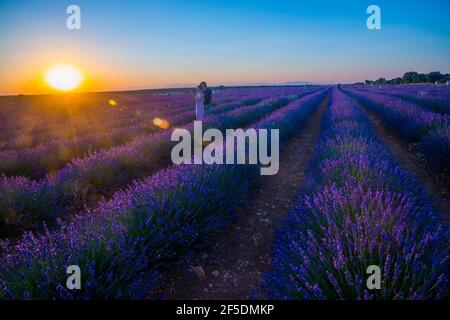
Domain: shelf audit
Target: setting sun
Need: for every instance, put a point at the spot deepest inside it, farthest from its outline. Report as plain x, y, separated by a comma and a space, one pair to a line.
63, 77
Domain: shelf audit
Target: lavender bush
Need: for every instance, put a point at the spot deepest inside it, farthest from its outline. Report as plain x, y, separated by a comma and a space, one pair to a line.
24, 203
74, 186
434, 98
410, 121
358, 208
106, 171
23, 125
122, 244
39, 160
436, 148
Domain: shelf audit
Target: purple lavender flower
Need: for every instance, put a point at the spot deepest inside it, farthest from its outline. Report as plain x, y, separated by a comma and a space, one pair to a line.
121, 244
359, 209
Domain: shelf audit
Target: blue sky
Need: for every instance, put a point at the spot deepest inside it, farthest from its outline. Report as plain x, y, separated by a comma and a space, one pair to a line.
137, 44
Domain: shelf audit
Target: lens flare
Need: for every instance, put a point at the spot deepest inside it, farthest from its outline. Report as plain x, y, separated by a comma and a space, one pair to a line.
163, 124
63, 77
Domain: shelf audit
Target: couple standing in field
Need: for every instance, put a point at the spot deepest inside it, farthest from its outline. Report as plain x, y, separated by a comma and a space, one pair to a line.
202, 98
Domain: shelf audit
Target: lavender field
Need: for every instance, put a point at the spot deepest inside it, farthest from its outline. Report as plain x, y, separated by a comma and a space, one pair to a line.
87, 179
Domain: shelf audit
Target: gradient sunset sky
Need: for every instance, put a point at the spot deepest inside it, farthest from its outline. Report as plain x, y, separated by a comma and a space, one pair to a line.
137, 44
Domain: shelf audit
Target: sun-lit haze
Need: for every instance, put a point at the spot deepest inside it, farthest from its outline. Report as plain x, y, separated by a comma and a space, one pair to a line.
145, 44
64, 78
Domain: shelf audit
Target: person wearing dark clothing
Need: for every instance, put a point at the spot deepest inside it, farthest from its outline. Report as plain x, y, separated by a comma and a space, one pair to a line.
207, 97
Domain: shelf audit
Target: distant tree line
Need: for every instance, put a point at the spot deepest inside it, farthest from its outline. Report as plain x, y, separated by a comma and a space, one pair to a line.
414, 77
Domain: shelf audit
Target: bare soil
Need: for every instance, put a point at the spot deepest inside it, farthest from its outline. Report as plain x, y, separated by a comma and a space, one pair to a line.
237, 257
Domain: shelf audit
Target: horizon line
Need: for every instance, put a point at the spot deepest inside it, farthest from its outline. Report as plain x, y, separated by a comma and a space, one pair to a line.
175, 87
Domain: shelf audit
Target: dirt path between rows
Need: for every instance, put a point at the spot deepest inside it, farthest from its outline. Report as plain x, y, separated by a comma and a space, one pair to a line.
435, 184
234, 265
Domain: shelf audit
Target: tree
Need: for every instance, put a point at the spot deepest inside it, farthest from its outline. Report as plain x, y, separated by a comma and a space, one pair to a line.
397, 80
410, 77
432, 77
447, 77
413, 77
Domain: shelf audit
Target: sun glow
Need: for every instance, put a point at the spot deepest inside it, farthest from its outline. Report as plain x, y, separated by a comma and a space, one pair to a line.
63, 77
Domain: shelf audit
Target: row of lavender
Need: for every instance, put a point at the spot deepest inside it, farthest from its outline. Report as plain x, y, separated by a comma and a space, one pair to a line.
38, 161
430, 129
435, 98
88, 112
358, 208
85, 115
25, 203
139, 112
50, 116
35, 137
123, 244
